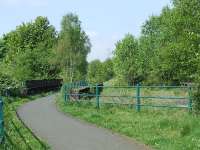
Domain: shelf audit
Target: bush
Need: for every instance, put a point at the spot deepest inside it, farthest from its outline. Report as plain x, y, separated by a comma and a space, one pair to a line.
95, 72
6, 82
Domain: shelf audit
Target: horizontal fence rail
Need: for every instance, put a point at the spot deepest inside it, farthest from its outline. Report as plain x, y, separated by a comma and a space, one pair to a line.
77, 92
10, 131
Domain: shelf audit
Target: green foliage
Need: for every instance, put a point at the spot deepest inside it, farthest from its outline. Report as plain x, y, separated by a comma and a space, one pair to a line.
167, 50
148, 45
6, 82
34, 51
108, 69
72, 49
34, 64
26, 53
95, 72
126, 59
99, 72
31, 35
3, 49
172, 40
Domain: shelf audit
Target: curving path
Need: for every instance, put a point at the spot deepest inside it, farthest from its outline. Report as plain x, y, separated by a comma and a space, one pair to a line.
65, 133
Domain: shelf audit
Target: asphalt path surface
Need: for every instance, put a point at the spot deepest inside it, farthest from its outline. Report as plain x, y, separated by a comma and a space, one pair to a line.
63, 132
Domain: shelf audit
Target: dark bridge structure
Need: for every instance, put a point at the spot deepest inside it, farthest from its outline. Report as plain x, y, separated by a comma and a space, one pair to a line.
38, 86
31, 87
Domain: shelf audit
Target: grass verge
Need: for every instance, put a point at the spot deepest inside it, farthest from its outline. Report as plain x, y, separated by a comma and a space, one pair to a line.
164, 129
18, 136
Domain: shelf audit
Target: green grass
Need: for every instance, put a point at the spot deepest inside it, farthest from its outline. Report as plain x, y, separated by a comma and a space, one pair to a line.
158, 92
165, 129
19, 137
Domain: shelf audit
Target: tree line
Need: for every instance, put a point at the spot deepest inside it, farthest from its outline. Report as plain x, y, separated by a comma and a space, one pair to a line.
167, 51
35, 50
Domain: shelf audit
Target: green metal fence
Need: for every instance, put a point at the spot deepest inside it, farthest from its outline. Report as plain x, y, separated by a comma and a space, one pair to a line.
10, 132
135, 96
77, 84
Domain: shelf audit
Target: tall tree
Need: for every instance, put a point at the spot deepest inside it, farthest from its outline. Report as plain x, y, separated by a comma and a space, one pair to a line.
173, 42
149, 45
126, 59
72, 49
184, 48
29, 48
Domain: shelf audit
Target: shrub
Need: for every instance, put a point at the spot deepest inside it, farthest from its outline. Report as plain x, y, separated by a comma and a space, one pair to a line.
6, 82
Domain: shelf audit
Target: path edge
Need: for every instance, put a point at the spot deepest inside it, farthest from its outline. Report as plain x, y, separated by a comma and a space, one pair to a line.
40, 140
129, 139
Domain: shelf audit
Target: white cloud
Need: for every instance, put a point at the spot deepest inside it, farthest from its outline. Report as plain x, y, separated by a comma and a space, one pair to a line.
36, 3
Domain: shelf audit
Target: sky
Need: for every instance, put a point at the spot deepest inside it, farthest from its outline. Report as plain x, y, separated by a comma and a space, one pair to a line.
105, 21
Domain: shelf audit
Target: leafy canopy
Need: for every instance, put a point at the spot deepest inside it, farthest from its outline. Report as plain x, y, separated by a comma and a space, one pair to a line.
72, 49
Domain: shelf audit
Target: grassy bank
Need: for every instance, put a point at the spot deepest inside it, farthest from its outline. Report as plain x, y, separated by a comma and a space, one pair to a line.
164, 129
18, 137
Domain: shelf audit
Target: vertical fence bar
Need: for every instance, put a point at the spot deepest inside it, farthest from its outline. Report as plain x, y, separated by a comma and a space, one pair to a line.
65, 93
132, 106
190, 98
1, 120
68, 92
97, 96
138, 107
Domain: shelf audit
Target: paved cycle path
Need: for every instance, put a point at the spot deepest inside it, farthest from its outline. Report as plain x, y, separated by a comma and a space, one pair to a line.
62, 132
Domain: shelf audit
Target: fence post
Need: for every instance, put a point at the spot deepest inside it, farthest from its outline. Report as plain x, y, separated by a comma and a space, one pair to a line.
97, 96
190, 98
1, 120
65, 93
138, 107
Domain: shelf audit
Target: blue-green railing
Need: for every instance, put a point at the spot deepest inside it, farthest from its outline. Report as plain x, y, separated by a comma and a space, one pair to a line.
77, 84
72, 90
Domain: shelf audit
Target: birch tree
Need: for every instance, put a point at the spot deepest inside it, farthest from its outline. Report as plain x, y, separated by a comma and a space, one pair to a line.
72, 49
